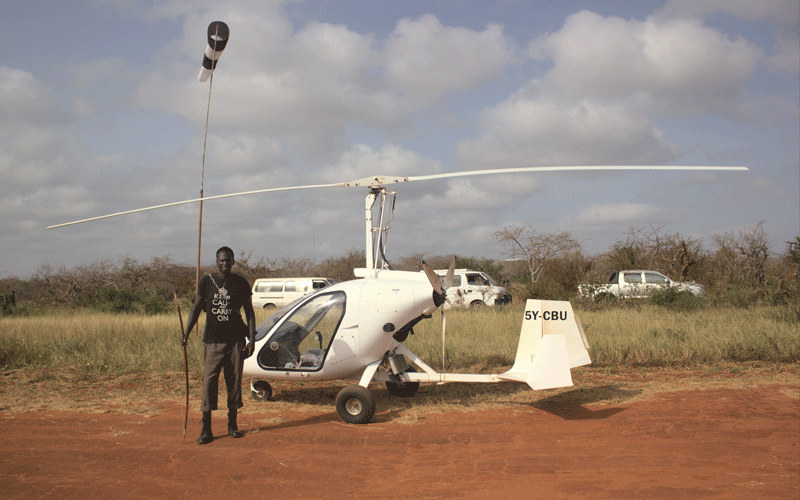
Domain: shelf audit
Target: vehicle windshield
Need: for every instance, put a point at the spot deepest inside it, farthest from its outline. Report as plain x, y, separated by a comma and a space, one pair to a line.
303, 338
489, 279
268, 323
480, 279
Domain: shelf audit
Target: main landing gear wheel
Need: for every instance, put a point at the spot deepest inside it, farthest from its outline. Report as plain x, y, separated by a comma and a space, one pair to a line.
262, 392
355, 404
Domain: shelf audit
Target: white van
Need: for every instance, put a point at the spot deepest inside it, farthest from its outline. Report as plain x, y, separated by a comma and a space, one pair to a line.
473, 289
277, 292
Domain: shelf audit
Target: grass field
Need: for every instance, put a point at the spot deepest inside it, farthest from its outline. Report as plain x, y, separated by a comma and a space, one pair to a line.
641, 336
83, 361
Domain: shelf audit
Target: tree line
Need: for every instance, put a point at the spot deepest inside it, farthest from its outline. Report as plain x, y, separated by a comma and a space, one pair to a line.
737, 269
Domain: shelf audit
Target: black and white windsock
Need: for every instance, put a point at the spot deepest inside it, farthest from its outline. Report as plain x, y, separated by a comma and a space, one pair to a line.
218, 33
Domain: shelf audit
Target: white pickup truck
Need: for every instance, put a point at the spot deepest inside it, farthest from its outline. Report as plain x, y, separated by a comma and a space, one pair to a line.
473, 289
636, 284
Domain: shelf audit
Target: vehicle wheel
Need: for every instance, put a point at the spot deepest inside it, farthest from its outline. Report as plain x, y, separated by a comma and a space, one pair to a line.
355, 404
263, 391
402, 389
476, 303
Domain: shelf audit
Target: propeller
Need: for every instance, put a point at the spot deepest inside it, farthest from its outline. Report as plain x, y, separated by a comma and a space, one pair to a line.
440, 291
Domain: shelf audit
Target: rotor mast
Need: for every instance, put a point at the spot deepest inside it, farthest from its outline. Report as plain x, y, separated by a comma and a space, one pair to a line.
375, 236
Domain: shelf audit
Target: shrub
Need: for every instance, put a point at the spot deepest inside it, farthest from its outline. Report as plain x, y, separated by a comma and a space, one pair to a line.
127, 301
675, 300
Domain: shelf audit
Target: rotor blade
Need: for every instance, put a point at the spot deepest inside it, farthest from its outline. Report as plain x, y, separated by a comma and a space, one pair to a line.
466, 173
448, 279
380, 180
436, 281
196, 200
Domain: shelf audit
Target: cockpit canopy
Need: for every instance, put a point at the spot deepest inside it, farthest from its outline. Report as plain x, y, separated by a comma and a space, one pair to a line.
299, 339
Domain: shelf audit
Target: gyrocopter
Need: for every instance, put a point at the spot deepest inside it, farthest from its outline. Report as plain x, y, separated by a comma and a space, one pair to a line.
355, 330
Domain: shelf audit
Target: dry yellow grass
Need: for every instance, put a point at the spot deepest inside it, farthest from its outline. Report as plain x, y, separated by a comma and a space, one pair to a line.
106, 362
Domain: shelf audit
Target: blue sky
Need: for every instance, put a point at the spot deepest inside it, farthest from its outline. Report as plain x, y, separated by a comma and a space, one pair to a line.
101, 111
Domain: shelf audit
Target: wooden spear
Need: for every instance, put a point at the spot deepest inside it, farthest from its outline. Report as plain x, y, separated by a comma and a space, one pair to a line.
185, 367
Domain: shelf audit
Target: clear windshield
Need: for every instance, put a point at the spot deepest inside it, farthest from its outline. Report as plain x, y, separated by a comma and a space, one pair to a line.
302, 340
489, 279
268, 323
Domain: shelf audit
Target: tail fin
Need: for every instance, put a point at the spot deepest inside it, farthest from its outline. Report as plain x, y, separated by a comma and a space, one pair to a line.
551, 342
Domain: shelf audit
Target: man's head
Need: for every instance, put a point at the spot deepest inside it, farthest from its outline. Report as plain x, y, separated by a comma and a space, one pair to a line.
225, 261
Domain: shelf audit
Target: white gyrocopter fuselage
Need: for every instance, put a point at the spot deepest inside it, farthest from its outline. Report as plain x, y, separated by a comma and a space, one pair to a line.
356, 329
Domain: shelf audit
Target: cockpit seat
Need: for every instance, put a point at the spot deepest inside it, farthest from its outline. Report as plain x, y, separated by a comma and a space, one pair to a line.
312, 358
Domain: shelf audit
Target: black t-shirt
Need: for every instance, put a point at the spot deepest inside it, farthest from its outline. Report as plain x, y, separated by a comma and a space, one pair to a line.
222, 300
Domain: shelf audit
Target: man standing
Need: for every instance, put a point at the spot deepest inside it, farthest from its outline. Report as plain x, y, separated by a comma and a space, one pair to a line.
221, 296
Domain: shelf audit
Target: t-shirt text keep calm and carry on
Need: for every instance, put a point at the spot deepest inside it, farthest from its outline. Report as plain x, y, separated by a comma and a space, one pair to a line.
222, 300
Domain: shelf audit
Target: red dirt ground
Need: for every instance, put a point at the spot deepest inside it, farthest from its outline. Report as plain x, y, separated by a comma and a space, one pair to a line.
708, 443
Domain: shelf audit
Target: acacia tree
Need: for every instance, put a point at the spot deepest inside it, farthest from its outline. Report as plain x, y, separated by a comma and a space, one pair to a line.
743, 257
651, 248
536, 249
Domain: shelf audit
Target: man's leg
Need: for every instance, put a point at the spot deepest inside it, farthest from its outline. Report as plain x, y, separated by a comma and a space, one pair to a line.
214, 355
233, 383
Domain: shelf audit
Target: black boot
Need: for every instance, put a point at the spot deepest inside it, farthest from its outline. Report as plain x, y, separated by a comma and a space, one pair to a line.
205, 434
233, 429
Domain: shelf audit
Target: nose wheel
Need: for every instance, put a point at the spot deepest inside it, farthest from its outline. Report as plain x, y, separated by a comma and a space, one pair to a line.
261, 390
355, 404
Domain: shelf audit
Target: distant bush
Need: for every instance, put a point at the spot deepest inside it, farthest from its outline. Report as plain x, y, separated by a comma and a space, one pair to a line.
675, 300
128, 301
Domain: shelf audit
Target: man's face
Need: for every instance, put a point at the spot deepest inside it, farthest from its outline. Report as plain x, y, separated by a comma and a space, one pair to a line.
225, 262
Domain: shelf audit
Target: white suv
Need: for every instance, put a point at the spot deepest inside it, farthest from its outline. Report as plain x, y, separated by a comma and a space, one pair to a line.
277, 292
473, 289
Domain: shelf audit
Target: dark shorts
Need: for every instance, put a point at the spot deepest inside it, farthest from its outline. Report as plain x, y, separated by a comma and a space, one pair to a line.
228, 358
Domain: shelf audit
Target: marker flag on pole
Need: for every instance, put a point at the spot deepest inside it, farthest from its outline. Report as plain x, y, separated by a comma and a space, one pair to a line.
218, 34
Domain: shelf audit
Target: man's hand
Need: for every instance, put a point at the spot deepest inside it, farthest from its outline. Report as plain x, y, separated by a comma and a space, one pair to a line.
248, 349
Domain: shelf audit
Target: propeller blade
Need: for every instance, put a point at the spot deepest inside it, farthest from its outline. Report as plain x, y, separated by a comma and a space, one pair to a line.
448, 280
436, 282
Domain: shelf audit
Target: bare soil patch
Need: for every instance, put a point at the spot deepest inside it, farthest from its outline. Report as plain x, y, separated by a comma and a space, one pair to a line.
701, 433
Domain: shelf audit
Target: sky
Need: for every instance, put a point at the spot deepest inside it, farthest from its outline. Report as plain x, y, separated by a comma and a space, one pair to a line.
101, 111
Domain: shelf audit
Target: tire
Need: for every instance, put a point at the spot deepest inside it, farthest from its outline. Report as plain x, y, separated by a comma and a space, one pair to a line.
263, 391
476, 303
402, 389
355, 404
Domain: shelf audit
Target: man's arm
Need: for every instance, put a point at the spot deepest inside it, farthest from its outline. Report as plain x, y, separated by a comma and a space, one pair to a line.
250, 314
194, 315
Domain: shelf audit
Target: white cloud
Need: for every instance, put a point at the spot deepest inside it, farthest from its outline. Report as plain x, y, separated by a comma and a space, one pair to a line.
786, 56
391, 160
25, 100
50, 201
779, 11
427, 59
334, 52
668, 65
532, 129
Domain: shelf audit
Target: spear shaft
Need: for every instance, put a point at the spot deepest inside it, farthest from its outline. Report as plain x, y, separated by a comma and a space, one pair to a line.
185, 368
